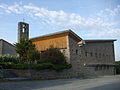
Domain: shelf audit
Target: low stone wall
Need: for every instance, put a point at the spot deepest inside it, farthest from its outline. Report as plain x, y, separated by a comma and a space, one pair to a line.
52, 74
91, 72
42, 74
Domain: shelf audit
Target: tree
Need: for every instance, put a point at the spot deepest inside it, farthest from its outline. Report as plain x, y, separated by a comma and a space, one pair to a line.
27, 51
53, 55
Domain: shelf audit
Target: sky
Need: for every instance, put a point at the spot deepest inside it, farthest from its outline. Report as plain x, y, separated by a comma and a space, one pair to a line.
90, 19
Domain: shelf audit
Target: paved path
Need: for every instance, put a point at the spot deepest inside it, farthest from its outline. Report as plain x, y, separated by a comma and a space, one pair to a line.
101, 83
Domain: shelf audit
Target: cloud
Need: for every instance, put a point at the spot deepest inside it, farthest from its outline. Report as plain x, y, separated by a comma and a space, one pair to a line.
109, 13
105, 33
68, 20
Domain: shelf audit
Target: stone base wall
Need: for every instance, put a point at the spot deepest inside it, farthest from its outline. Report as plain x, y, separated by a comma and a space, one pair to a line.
52, 74
43, 74
90, 72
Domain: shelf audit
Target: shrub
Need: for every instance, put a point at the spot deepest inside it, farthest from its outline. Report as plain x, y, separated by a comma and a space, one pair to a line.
8, 58
53, 55
42, 66
117, 67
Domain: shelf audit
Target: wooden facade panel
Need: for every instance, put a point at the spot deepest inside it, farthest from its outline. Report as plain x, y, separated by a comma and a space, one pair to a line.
58, 42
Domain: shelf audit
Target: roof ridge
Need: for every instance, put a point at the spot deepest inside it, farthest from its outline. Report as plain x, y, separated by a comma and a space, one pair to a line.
7, 42
69, 30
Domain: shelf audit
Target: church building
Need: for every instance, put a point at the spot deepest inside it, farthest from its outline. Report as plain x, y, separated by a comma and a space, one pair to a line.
88, 57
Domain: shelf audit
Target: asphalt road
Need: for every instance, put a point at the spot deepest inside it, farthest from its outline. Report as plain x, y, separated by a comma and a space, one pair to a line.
101, 83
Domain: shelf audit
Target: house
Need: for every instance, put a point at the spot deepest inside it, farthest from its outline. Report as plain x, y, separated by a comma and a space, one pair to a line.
7, 48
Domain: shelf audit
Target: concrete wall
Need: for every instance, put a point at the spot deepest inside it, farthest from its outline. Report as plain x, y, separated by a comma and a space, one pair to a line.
0, 46
100, 55
99, 52
7, 48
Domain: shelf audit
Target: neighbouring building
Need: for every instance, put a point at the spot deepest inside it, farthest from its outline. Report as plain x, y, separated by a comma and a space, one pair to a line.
7, 48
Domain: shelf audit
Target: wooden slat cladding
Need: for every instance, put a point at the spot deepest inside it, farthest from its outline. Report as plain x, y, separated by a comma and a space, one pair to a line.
50, 36
45, 43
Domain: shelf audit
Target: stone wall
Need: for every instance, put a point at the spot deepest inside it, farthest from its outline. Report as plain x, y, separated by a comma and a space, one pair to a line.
100, 53
76, 57
42, 74
91, 72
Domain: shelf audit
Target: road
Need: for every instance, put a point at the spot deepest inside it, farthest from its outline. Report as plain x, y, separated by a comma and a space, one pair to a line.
101, 83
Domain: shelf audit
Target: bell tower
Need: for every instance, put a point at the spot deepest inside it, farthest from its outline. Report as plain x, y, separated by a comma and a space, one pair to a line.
23, 31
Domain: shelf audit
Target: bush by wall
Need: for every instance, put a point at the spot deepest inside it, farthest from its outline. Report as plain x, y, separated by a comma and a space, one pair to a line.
8, 65
117, 67
51, 58
53, 55
8, 58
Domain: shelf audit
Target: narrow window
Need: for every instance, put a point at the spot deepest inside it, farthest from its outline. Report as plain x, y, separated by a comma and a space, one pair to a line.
86, 54
100, 55
23, 30
100, 67
104, 67
103, 55
76, 52
91, 54
96, 68
96, 55
107, 67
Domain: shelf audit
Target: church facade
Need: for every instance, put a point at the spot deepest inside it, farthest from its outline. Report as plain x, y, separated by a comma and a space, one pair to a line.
88, 57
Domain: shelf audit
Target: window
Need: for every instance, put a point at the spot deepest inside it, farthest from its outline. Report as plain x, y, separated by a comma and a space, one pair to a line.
91, 54
100, 67
104, 67
100, 55
41, 51
86, 54
103, 55
107, 67
96, 55
96, 68
76, 52
23, 30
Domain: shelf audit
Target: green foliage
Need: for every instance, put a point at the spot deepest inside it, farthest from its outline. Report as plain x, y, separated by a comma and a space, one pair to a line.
7, 65
8, 58
53, 55
117, 67
117, 62
27, 51
51, 58
61, 66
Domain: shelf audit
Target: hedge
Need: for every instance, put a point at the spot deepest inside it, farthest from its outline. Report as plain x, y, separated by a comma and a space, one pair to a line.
8, 58
8, 65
